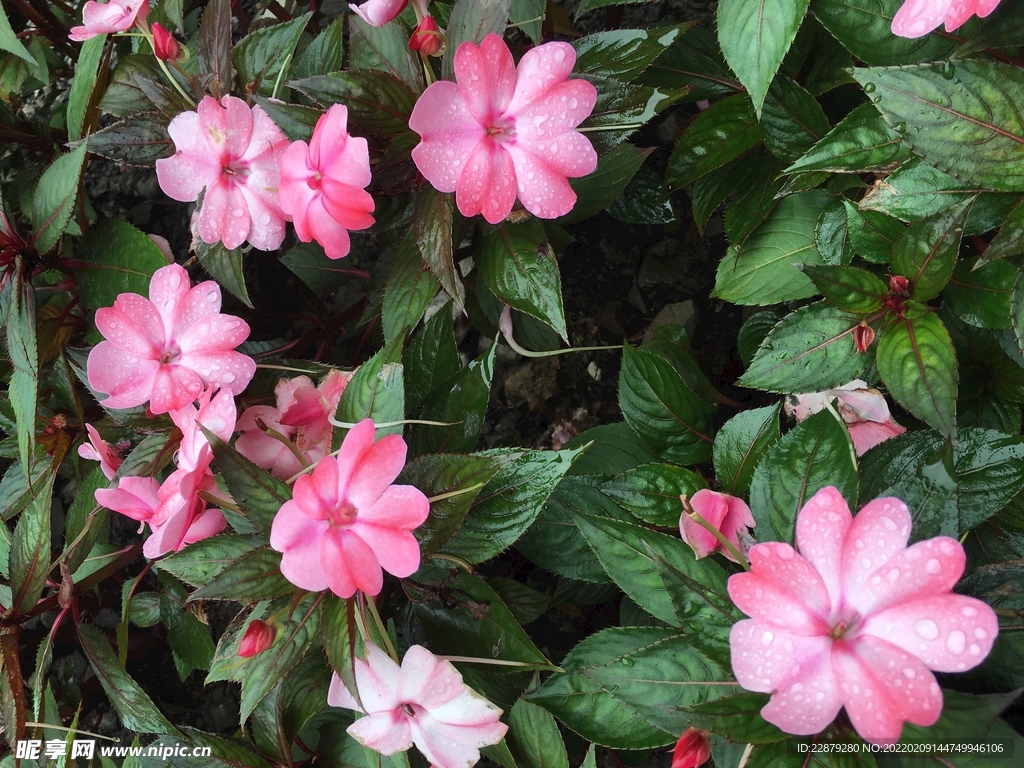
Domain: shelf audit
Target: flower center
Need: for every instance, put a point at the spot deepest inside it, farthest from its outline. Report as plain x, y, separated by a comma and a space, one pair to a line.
313, 182
169, 356
407, 708
502, 130
343, 515
838, 629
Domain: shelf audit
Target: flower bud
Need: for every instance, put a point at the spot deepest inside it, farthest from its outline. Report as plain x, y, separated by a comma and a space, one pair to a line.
257, 638
863, 336
427, 39
165, 46
899, 285
692, 750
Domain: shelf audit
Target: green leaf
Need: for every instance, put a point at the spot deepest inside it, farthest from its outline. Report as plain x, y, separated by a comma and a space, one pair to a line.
589, 5
431, 357
471, 21
644, 200
925, 253
622, 104
814, 454
84, 83
136, 140
660, 407
791, 120
376, 392
83, 511
755, 199
519, 267
599, 189
528, 15
385, 48
1009, 241
135, 708
135, 86
862, 142
651, 492
479, 624
872, 233
378, 102
23, 350
624, 53
202, 561
408, 291
755, 36
9, 41
979, 294
741, 444
762, 271
510, 501
460, 401
917, 363
864, 27
327, 51
125, 260
256, 492
533, 737
433, 220
721, 133
30, 547
442, 474
695, 62
737, 718
256, 575
951, 106
611, 449
262, 57
54, 200
849, 289
214, 47
623, 687
832, 234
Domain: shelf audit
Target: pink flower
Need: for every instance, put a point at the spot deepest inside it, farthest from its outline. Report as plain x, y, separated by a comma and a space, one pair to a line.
112, 16
423, 702
99, 450
217, 414
728, 514
323, 184
268, 452
346, 520
167, 349
501, 131
864, 411
856, 619
917, 18
174, 510
232, 152
377, 13
257, 638
165, 46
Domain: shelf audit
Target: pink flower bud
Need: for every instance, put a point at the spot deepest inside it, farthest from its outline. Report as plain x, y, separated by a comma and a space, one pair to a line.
427, 39
899, 285
257, 638
165, 47
729, 515
692, 750
863, 336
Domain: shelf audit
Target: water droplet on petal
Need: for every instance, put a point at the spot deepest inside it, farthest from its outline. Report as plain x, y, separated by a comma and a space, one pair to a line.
933, 566
955, 642
927, 629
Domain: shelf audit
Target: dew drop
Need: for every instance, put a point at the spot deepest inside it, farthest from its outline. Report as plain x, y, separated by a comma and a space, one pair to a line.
955, 642
869, 87
933, 566
767, 638
627, 662
927, 629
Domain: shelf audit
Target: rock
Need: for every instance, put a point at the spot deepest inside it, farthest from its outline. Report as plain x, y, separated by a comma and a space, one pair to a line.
682, 313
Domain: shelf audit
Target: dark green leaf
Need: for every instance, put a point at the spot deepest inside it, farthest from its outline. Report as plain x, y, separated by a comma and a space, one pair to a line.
1009, 241
791, 120
755, 199
611, 449
832, 234
460, 401
135, 86
623, 104
30, 546
125, 260
378, 102
519, 267
925, 253
755, 36
693, 61
225, 267
23, 350
862, 142
409, 289
659, 406
533, 737
385, 48
814, 454
952, 108
528, 15
471, 21
432, 228
202, 561
326, 53
872, 233
721, 133
980, 295
214, 46
257, 492
262, 57
376, 392
644, 200
136, 140
55, 196
849, 289
918, 365
84, 83
589, 5
651, 492
754, 331
741, 444
9, 41
624, 53
737, 718
431, 357
256, 575
598, 190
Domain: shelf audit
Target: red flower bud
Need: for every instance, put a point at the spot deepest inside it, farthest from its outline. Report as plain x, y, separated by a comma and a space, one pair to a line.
863, 336
257, 638
692, 750
427, 39
899, 285
165, 47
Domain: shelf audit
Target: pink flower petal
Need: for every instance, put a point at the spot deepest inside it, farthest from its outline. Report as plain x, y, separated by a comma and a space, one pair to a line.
486, 76
349, 564
134, 497
925, 569
174, 387
377, 13
267, 222
377, 678
428, 680
349, 205
488, 183
127, 379
132, 325
298, 537
449, 134
542, 190
882, 687
224, 216
192, 167
338, 695
879, 531
917, 18
540, 70
209, 523
867, 434
354, 447
265, 140
168, 291
821, 529
315, 223
782, 590
316, 493
377, 469
949, 633
386, 732
452, 746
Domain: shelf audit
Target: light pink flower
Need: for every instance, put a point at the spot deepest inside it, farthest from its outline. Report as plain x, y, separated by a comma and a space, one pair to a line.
232, 152
268, 452
728, 514
112, 16
217, 414
174, 509
97, 449
377, 13
323, 184
167, 349
346, 520
856, 619
423, 702
917, 18
501, 131
864, 411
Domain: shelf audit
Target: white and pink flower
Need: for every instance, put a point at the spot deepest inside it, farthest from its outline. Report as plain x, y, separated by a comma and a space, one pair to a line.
863, 409
916, 18
112, 16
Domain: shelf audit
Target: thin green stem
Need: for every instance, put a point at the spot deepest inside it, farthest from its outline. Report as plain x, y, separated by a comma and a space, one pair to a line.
620, 127
452, 494
463, 564
382, 629
280, 75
